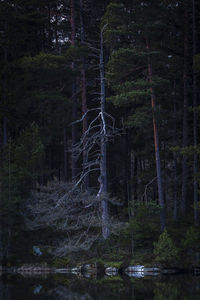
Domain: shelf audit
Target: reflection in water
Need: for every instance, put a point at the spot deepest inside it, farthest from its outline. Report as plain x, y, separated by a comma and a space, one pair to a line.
164, 291
64, 293
37, 289
61, 287
4, 290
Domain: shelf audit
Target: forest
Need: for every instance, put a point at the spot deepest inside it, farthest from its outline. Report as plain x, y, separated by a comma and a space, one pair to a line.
99, 130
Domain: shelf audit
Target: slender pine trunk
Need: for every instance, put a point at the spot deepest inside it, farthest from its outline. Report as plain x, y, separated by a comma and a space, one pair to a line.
157, 149
65, 155
83, 95
134, 178
175, 180
185, 113
74, 99
5, 134
5, 120
195, 160
128, 173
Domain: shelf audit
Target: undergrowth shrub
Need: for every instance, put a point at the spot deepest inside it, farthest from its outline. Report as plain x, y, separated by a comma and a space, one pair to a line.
164, 249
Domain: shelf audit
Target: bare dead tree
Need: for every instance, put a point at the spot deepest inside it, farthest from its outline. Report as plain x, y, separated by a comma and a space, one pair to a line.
73, 217
70, 209
103, 142
93, 143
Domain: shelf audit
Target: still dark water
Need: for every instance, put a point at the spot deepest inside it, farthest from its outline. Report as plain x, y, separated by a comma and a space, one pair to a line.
73, 288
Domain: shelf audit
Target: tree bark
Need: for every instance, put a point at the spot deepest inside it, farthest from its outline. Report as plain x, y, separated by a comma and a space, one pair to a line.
185, 112
65, 155
157, 149
103, 166
134, 177
128, 173
175, 181
74, 100
5, 137
5, 121
83, 94
195, 160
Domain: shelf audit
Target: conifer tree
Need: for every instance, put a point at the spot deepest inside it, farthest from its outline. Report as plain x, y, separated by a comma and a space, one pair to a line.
137, 89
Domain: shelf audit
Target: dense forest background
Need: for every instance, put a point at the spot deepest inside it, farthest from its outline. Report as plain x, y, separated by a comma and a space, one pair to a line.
99, 124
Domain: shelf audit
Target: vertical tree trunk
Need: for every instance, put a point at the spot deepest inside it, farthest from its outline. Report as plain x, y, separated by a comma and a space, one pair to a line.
65, 154
185, 111
49, 27
128, 173
74, 100
4, 220
103, 167
5, 121
157, 149
134, 176
5, 137
195, 160
83, 94
175, 181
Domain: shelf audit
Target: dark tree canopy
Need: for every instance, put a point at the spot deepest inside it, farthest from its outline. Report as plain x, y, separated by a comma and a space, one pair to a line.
102, 97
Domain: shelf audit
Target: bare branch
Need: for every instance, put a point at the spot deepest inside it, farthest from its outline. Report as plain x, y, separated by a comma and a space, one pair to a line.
84, 115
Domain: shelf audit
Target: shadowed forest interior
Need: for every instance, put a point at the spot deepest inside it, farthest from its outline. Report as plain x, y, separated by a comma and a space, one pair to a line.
99, 130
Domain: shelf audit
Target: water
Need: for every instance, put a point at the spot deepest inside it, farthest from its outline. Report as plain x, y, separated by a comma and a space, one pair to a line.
105, 288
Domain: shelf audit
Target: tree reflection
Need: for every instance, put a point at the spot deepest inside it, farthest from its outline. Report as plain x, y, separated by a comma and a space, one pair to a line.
165, 291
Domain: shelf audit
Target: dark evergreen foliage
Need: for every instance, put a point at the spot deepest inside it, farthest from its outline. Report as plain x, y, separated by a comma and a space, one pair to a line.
39, 64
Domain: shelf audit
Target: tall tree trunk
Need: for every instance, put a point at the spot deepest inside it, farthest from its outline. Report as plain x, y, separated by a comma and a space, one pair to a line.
157, 149
128, 173
5, 137
134, 177
49, 27
103, 167
4, 220
65, 155
185, 111
195, 160
5, 121
74, 99
175, 181
83, 95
